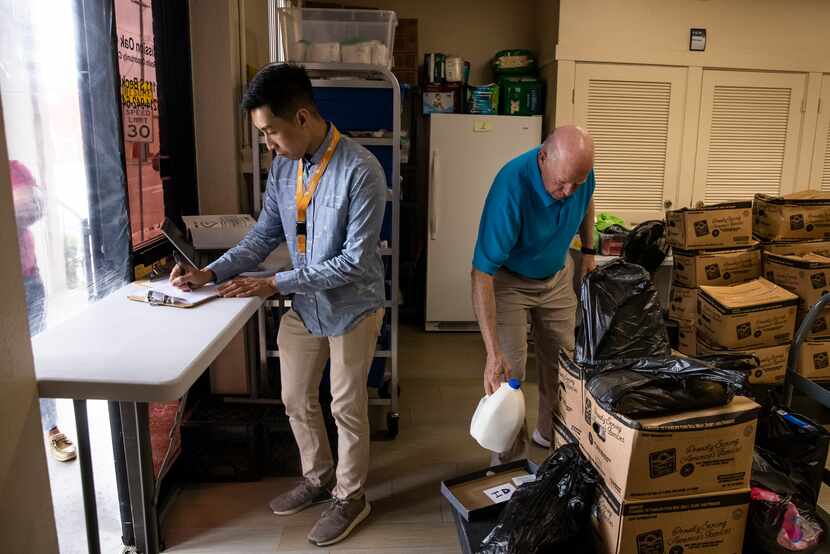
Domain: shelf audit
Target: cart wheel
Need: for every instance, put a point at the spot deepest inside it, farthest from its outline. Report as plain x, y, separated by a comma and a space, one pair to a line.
392, 419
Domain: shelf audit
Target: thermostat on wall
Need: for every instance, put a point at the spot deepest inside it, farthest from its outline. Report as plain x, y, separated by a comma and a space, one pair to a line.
697, 39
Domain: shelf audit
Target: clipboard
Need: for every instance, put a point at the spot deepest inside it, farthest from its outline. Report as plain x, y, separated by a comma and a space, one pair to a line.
164, 295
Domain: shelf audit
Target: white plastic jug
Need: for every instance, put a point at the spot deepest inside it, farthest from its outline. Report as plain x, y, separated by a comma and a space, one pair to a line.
499, 417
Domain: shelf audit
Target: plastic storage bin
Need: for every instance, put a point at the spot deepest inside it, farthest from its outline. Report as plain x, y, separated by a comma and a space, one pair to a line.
335, 35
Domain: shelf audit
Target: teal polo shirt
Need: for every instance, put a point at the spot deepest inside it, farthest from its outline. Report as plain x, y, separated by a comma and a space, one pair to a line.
525, 229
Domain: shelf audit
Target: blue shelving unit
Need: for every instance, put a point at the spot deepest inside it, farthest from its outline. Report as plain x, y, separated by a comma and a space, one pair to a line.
358, 98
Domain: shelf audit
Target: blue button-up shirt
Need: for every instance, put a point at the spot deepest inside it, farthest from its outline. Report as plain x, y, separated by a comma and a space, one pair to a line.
523, 227
341, 276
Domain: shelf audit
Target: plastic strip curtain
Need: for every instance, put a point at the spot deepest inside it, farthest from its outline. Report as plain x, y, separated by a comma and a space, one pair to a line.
58, 86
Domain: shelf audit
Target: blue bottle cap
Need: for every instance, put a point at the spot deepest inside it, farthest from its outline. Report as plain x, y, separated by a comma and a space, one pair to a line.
514, 383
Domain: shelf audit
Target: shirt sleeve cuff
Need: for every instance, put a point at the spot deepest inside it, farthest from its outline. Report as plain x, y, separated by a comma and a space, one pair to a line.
485, 266
287, 282
221, 269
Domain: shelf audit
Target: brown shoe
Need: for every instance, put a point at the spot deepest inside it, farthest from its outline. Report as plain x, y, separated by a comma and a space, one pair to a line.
299, 498
339, 520
62, 448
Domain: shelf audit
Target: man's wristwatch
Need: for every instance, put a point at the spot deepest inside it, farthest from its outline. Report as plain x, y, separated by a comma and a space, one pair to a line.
586, 250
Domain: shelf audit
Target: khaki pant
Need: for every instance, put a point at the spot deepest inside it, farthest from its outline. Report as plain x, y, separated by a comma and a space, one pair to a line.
302, 360
551, 305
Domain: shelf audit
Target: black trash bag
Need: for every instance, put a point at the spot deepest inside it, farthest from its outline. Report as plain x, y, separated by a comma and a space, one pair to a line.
621, 317
781, 518
647, 245
615, 229
551, 514
745, 363
799, 440
655, 387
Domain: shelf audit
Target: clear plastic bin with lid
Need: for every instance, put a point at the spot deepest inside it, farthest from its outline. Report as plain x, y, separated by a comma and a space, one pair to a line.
338, 35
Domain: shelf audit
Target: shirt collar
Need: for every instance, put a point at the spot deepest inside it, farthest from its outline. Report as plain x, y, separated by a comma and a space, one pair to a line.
315, 158
536, 179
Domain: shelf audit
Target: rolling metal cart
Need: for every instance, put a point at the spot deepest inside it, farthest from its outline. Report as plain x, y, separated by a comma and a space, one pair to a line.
794, 381
364, 101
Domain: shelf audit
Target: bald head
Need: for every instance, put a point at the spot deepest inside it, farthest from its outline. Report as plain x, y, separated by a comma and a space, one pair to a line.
565, 159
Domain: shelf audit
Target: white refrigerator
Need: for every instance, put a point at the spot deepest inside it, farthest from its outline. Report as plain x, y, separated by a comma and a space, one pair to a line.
465, 153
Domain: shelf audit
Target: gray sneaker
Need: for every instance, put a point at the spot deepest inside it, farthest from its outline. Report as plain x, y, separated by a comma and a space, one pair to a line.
339, 520
299, 498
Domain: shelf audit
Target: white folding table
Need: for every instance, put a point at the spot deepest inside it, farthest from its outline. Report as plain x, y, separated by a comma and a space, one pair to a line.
132, 353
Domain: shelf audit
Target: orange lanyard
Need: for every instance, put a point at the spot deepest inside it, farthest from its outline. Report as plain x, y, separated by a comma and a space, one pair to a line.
304, 195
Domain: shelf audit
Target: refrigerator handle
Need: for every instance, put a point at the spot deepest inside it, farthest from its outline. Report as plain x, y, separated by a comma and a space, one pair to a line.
433, 192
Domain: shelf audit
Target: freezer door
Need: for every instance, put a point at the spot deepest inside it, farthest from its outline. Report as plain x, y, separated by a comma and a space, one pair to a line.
465, 153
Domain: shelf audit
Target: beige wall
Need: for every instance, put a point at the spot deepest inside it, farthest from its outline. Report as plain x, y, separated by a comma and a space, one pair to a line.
27, 522
751, 34
472, 29
214, 35
256, 33
546, 17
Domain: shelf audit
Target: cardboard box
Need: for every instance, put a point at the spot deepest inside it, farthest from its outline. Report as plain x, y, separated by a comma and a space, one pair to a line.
748, 315
723, 266
808, 276
797, 216
683, 305
821, 325
466, 494
814, 359
820, 247
229, 371
699, 452
561, 435
716, 226
772, 361
687, 339
569, 405
703, 524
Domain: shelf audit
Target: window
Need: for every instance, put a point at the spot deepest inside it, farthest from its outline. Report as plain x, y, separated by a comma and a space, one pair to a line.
66, 175
140, 116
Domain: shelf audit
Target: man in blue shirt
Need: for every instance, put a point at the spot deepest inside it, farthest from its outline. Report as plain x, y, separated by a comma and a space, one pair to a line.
521, 266
325, 197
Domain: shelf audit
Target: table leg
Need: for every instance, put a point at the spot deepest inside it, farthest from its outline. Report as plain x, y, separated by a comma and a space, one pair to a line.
125, 509
138, 455
87, 480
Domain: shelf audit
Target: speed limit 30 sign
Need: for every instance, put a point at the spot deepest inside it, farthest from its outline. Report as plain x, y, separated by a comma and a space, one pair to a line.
138, 125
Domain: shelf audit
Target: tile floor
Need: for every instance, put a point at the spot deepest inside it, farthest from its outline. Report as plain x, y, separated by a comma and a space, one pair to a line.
440, 384
440, 388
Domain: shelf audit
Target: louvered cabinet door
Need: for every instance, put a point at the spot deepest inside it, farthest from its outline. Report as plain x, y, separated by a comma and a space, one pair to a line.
820, 174
748, 134
635, 114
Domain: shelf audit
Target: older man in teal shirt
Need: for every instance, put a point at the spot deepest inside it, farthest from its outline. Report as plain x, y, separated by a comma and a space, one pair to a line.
521, 267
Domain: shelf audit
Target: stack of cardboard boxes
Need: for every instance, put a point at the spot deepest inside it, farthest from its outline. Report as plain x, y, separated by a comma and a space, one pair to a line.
718, 299
678, 483
795, 230
710, 246
720, 303
744, 276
